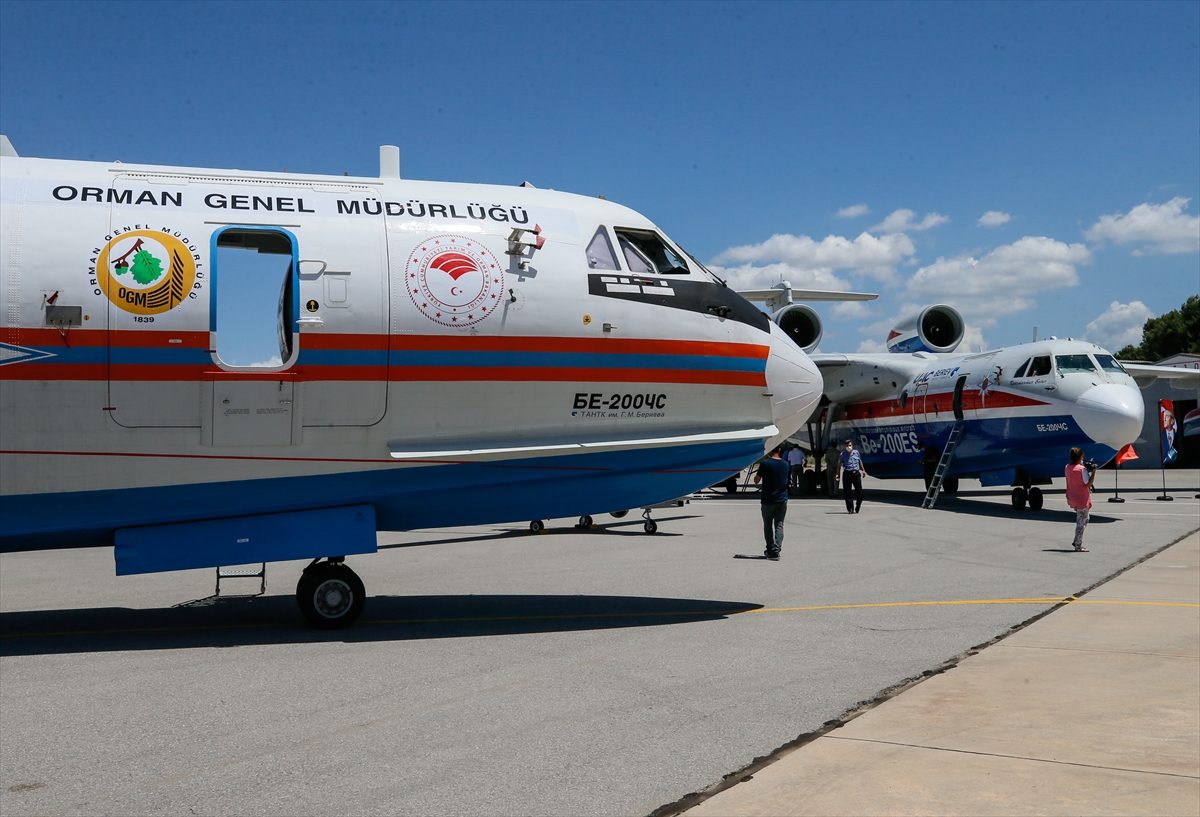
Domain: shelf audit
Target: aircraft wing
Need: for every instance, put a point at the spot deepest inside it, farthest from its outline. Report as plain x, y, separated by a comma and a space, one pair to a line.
806, 295
1145, 374
865, 377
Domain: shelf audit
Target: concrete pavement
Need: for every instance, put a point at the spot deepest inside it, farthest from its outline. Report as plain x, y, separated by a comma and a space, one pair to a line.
1089, 710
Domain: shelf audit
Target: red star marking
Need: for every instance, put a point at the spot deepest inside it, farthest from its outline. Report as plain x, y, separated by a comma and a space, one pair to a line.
470, 316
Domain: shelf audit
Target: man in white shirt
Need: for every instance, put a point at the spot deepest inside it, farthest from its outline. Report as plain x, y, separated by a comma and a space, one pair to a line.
796, 460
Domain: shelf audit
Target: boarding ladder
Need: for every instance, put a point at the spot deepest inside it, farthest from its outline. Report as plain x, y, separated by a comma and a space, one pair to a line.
935, 485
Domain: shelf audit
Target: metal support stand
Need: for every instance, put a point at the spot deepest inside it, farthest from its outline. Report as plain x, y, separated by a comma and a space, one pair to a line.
1116, 497
935, 485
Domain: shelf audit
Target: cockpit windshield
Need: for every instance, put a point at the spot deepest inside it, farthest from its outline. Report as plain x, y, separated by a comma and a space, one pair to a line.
645, 251
1109, 364
1074, 364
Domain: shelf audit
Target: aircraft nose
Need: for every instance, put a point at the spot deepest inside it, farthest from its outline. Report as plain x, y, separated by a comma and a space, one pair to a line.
1111, 414
794, 384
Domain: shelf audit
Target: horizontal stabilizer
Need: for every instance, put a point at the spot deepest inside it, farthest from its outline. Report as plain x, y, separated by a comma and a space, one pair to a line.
408, 452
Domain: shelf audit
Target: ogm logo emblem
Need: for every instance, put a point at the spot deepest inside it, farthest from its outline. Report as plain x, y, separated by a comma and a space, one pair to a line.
453, 280
146, 272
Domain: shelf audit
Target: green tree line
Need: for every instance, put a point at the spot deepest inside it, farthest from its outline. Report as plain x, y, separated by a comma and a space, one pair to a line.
1169, 334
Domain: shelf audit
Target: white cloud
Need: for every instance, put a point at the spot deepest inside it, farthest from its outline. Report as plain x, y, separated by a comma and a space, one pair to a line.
849, 310
273, 361
902, 220
1163, 228
1119, 326
868, 254
853, 211
994, 218
973, 339
868, 347
1002, 281
748, 276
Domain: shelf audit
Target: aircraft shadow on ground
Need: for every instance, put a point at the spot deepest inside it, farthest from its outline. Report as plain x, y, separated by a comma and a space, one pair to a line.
235, 621
626, 527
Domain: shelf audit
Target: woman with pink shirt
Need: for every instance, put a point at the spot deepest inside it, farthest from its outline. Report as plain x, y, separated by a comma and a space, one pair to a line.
1079, 493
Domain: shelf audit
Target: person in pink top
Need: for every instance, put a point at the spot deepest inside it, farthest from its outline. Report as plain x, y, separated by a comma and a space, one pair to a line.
1079, 493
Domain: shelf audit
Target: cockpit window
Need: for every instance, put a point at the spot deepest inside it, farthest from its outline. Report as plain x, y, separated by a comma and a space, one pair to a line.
1074, 364
600, 252
634, 258
1039, 367
1109, 364
1024, 366
645, 251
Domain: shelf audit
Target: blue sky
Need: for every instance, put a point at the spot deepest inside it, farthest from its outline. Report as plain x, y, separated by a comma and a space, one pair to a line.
742, 129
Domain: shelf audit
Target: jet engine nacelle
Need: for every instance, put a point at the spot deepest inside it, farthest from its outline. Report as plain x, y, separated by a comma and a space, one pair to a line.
802, 324
937, 328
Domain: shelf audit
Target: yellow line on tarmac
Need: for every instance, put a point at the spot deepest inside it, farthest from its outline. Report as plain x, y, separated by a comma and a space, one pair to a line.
585, 616
1049, 600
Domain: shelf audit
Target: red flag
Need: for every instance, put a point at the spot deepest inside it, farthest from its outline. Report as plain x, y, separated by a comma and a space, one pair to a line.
1125, 454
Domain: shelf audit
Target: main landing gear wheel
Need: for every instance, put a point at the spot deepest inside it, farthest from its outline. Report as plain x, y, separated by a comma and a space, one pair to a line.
1035, 499
537, 526
949, 486
731, 485
618, 514
585, 521
330, 595
1019, 497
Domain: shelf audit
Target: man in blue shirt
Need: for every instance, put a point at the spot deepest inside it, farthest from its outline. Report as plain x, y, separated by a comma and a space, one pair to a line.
773, 474
851, 472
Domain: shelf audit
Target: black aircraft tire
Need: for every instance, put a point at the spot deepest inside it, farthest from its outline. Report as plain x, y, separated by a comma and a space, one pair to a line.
651, 526
618, 514
585, 521
537, 526
1018, 498
731, 485
330, 596
1035, 499
949, 486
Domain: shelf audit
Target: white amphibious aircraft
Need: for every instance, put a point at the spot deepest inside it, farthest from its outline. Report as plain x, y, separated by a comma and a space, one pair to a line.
446, 354
1007, 416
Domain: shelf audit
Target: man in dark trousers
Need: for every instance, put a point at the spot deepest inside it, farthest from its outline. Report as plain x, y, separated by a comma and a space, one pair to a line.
851, 471
773, 474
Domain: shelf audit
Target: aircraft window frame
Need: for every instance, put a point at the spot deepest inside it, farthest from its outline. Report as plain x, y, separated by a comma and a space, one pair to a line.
1071, 364
628, 239
288, 299
1116, 368
1021, 371
594, 263
1033, 364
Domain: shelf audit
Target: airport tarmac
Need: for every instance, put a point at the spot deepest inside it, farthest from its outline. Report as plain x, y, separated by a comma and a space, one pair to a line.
501, 672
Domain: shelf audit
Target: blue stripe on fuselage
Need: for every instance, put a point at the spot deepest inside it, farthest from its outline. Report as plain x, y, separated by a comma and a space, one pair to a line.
404, 497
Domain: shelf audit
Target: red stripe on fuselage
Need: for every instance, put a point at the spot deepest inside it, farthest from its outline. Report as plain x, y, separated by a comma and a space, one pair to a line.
940, 402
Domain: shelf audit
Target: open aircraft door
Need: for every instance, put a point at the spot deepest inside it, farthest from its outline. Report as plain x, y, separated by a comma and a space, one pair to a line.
920, 418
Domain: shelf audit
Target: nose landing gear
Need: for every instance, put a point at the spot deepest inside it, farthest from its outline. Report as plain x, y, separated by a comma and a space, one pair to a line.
330, 594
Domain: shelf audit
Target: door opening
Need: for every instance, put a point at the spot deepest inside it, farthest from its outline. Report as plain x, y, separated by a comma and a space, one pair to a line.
958, 391
255, 297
